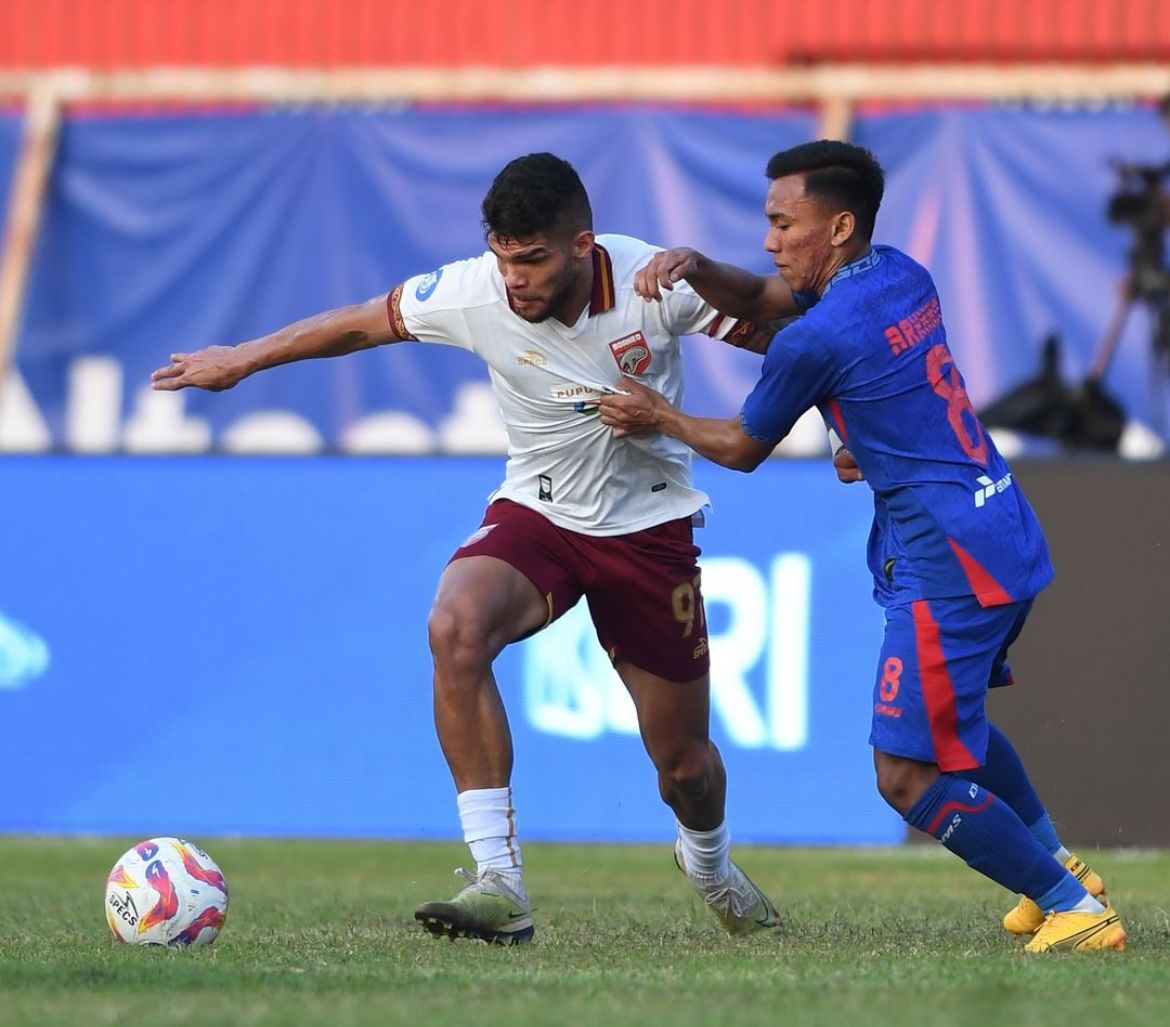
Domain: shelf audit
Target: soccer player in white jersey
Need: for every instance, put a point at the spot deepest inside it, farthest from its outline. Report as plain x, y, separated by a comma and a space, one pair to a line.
552, 311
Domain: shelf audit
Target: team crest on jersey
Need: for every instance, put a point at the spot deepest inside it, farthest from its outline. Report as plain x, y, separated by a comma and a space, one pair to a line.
632, 353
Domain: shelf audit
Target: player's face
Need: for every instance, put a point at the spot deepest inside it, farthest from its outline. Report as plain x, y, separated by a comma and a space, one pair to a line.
545, 274
803, 237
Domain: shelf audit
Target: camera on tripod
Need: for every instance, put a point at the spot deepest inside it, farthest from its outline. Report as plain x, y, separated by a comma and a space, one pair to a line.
1140, 202
1085, 415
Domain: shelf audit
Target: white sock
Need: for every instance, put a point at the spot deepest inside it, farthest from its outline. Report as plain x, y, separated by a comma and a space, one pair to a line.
489, 828
705, 852
1061, 855
1088, 905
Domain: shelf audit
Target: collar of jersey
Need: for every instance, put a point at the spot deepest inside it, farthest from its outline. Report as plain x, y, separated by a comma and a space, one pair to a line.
604, 295
856, 267
808, 297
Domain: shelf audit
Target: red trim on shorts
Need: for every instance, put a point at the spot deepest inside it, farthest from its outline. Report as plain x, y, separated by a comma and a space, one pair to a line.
987, 590
938, 691
947, 807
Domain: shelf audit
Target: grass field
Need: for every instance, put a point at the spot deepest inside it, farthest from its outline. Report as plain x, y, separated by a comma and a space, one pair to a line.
321, 933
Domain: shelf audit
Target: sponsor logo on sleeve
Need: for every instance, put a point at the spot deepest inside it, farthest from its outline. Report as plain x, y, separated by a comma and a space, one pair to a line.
988, 489
427, 286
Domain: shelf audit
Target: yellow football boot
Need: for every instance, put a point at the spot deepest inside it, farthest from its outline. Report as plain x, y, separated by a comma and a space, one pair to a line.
1078, 932
1027, 917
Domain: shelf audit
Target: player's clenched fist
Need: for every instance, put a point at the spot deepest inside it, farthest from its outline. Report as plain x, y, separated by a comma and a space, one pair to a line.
634, 410
215, 368
845, 464
664, 270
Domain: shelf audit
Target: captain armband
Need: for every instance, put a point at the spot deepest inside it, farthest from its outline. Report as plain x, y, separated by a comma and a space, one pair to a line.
755, 336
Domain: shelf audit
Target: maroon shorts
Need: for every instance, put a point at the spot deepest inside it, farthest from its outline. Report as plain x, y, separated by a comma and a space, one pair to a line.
642, 588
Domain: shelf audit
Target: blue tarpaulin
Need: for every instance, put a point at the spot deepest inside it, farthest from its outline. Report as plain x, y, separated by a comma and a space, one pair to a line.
170, 232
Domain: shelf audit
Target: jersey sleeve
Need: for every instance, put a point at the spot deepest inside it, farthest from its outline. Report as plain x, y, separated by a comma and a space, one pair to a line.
799, 372
685, 312
431, 307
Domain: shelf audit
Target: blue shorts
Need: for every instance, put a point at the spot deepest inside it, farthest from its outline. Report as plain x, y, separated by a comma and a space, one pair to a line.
938, 659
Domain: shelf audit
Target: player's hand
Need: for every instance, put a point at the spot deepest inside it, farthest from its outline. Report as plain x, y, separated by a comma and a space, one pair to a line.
663, 270
215, 368
633, 411
846, 467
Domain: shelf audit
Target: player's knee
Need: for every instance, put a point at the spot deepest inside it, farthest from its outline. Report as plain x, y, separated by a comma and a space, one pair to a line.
902, 782
686, 770
893, 790
459, 639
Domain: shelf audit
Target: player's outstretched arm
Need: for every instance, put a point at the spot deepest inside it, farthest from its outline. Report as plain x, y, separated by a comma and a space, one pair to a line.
730, 289
638, 409
331, 334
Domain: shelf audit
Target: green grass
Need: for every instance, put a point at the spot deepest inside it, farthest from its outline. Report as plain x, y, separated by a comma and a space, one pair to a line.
321, 933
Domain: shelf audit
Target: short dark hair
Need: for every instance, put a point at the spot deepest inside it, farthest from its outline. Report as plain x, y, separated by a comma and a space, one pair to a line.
536, 194
841, 172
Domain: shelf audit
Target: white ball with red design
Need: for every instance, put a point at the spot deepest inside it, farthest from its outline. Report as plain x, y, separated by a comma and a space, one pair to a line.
166, 891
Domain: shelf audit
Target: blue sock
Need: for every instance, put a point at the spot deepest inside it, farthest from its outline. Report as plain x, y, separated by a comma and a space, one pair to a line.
1043, 831
1062, 896
1003, 773
988, 835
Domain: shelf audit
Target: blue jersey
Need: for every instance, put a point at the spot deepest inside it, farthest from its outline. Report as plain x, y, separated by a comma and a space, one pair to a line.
871, 354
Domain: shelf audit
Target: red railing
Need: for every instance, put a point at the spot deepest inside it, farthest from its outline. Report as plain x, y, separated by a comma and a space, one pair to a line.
522, 33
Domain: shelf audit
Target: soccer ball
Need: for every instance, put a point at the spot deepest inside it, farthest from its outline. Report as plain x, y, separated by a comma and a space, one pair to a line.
166, 891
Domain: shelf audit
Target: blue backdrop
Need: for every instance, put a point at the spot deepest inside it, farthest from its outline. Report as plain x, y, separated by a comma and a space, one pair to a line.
9, 144
208, 646
173, 232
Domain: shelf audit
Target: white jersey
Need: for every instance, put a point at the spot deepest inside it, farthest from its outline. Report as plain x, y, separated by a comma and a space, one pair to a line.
562, 461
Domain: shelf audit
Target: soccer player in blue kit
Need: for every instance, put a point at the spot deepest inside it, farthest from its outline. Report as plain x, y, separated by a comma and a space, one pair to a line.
956, 553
